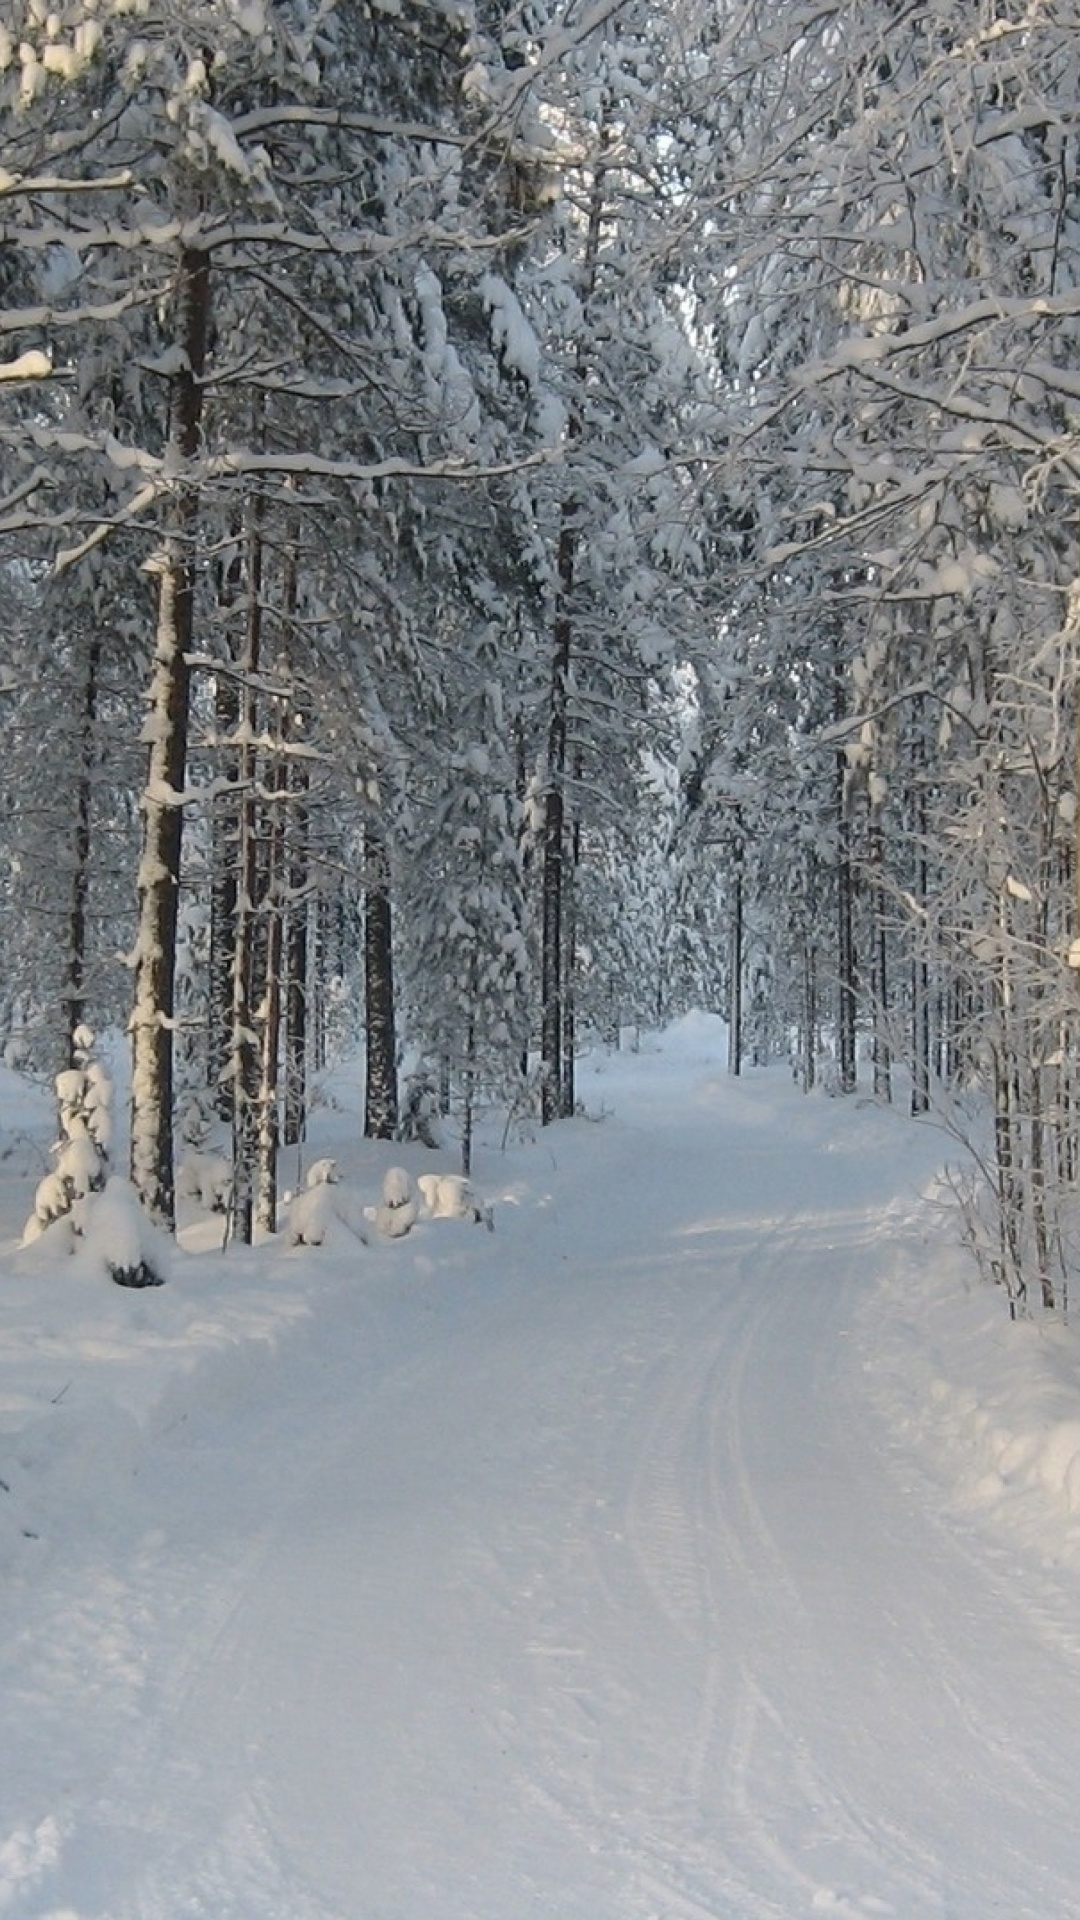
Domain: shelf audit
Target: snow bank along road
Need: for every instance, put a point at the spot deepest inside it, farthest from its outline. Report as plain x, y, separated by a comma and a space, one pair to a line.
559, 1572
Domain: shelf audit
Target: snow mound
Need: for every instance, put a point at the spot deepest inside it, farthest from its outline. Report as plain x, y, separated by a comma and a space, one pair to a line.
450, 1196
990, 1406
322, 1211
399, 1208
118, 1239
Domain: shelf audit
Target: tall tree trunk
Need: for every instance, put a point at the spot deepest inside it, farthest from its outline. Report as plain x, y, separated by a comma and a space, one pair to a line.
553, 953
73, 992
845, 940
468, 1099
296, 967
294, 876
809, 1013
167, 728
568, 1074
268, 1132
920, 965
553, 848
380, 1089
735, 968
879, 959
224, 835
249, 933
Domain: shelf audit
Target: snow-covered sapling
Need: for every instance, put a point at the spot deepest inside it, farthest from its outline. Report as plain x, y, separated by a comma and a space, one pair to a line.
81, 1152
399, 1208
420, 1110
318, 1207
205, 1178
450, 1196
116, 1229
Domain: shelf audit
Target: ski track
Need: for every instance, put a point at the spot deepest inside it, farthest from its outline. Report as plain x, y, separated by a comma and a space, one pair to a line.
599, 1601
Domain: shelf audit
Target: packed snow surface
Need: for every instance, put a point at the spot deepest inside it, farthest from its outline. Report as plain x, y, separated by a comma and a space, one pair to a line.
701, 1544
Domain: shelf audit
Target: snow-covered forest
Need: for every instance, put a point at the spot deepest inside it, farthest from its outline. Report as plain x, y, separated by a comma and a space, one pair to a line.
518, 520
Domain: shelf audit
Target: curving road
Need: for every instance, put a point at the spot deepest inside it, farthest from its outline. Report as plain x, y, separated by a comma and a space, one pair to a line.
568, 1575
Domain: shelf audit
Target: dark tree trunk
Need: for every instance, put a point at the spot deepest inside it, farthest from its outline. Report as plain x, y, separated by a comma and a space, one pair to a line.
74, 987
270, 1034
554, 952
553, 848
380, 1090
920, 966
223, 897
249, 928
568, 1074
296, 969
735, 970
879, 961
844, 939
159, 870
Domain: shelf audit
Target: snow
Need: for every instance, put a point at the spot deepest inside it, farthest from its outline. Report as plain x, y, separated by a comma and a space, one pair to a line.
704, 1541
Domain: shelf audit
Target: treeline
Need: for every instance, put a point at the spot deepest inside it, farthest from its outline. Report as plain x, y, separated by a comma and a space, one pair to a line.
516, 520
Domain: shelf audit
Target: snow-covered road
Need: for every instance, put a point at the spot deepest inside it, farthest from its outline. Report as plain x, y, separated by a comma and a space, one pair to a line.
569, 1572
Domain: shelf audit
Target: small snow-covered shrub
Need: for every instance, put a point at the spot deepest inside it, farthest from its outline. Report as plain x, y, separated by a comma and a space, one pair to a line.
81, 1153
311, 1213
420, 1110
205, 1178
121, 1237
320, 1208
450, 1196
399, 1209
322, 1173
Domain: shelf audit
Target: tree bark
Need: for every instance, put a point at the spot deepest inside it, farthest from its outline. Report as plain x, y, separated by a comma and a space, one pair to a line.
735, 971
167, 732
249, 937
74, 987
380, 1089
553, 847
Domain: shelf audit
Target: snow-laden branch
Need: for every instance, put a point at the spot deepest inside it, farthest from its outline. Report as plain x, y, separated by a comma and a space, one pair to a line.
17, 319
202, 236
163, 477
264, 118
32, 365
139, 503
320, 467
862, 351
30, 183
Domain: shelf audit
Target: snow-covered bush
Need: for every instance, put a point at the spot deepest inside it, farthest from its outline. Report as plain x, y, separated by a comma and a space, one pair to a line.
205, 1178
117, 1233
420, 1110
81, 1153
450, 1196
399, 1208
319, 1207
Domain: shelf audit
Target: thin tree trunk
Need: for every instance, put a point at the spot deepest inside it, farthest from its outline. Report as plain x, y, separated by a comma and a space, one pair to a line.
920, 964
735, 970
879, 960
845, 942
159, 868
270, 1034
554, 830
247, 958
380, 1090
296, 969
568, 1085
224, 835
553, 958
809, 1015
73, 992
468, 1099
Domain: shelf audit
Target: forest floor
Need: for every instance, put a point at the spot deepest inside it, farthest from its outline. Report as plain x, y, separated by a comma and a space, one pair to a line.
701, 1544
